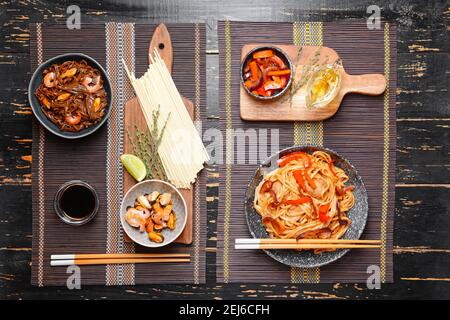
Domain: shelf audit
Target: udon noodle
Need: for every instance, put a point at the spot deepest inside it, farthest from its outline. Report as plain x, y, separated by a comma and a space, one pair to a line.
305, 198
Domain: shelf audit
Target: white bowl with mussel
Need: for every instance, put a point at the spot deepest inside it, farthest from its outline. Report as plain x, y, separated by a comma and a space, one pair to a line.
153, 213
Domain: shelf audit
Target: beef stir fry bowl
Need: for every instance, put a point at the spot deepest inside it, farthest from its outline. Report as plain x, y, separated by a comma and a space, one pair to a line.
75, 100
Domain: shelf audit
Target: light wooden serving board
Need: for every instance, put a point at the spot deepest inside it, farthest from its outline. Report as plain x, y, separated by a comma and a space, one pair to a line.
282, 109
134, 117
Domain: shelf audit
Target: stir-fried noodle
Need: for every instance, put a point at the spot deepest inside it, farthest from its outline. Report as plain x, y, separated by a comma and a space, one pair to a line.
72, 95
305, 198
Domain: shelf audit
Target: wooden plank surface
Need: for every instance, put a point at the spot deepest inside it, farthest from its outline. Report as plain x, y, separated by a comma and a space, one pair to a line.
294, 108
134, 118
421, 238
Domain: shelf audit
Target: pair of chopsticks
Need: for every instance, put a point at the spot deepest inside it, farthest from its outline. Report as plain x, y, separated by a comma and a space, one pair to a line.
306, 244
116, 258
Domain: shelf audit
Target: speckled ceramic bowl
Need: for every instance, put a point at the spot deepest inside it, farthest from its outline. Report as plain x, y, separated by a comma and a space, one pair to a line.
179, 207
307, 259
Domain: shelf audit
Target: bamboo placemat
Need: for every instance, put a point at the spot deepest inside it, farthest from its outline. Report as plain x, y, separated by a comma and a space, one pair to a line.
363, 131
95, 159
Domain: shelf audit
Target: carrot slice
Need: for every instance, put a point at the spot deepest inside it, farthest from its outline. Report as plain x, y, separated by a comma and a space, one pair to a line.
262, 54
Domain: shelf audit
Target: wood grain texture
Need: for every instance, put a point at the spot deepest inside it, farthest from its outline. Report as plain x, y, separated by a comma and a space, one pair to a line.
423, 119
294, 108
134, 118
161, 41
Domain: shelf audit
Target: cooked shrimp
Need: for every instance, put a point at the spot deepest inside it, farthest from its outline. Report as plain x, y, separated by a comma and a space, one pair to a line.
92, 85
49, 80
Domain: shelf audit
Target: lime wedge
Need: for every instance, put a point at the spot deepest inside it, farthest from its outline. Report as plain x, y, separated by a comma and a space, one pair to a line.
134, 166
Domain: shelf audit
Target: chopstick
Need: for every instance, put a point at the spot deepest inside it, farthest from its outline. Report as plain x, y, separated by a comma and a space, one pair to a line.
306, 244
117, 258
290, 241
117, 255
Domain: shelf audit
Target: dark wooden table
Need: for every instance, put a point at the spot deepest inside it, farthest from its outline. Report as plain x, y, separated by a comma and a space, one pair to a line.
422, 215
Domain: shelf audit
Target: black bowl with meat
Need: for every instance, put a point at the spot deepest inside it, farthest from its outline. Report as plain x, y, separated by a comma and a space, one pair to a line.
266, 72
70, 95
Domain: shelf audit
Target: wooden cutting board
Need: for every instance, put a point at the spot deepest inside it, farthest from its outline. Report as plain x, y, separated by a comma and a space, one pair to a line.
281, 109
133, 117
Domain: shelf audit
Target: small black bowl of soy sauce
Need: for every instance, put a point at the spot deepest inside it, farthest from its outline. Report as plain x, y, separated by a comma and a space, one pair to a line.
76, 202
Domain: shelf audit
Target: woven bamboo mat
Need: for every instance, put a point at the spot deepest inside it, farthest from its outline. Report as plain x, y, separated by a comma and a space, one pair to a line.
95, 159
363, 131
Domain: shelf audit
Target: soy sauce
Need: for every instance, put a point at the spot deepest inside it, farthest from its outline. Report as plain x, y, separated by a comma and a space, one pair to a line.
77, 201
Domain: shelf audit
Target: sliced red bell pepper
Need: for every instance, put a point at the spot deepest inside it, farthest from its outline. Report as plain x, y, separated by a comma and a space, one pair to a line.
262, 92
254, 70
263, 54
276, 79
298, 201
284, 72
298, 175
323, 210
295, 156
311, 182
266, 71
248, 83
331, 166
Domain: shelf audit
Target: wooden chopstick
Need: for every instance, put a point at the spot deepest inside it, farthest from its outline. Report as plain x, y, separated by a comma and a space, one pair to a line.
80, 256
306, 244
116, 261
117, 258
305, 241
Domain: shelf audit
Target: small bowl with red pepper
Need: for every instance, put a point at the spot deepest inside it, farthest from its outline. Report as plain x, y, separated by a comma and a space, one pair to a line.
266, 72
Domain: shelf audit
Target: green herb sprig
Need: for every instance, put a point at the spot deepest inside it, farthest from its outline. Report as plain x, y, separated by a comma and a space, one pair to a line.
145, 145
306, 73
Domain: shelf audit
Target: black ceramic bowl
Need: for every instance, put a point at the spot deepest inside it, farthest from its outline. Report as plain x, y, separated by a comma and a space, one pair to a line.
307, 258
282, 55
36, 80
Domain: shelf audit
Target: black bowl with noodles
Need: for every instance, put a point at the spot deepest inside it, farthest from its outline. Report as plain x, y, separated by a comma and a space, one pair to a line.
306, 258
280, 54
37, 79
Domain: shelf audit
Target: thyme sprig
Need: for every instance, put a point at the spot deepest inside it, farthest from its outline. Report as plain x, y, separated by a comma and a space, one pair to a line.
306, 73
145, 144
